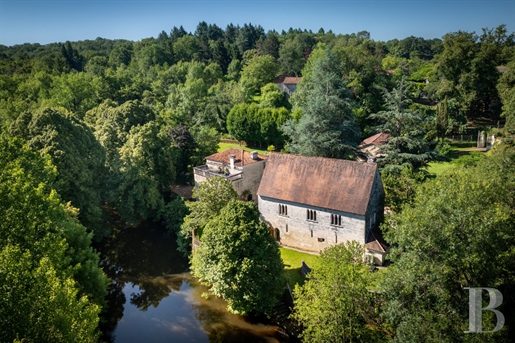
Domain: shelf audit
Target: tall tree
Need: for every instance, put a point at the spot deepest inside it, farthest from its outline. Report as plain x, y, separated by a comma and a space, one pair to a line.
240, 260
212, 195
333, 303
406, 146
51, 286
506, 89
147, 171
78, 156
257, 72
328, 125
458, 233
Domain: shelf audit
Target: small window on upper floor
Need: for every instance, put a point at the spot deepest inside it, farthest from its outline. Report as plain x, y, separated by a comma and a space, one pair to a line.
311, 215
336, 220
372, 221
283, 210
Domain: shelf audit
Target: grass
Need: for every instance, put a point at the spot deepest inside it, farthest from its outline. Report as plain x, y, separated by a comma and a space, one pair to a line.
459, 158
225, 146
293, 261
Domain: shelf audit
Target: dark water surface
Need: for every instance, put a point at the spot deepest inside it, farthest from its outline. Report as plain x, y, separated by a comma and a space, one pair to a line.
153, 297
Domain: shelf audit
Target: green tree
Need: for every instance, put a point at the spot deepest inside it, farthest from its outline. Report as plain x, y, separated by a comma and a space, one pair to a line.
506, 88
76, 92
327, 126
466, 220
78, 156
242, 122
272, 97
257, 72
406, 146
212, 196
121, 55
39, 306
240, 260
206, 142
51, 286
333, 304
147, 170
466, 70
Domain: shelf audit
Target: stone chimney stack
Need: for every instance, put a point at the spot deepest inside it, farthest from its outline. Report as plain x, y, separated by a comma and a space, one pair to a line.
233, 160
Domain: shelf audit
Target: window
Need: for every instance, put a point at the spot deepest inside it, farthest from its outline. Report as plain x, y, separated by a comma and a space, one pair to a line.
311, 215
283, 210
286, 227
321, 239
335, 238
372, 221
311, 233
336, 220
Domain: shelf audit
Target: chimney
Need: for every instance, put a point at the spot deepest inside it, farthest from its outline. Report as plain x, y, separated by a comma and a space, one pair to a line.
254, 155
233, 160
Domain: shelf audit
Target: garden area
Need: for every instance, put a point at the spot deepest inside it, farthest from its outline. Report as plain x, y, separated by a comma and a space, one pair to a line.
222, 146
292, 263
459, 156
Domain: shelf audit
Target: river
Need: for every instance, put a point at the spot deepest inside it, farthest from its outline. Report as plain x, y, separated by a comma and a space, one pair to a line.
153, 297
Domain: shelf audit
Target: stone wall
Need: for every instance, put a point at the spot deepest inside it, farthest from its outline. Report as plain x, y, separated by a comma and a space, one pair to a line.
294, 230
376, 203
252, 175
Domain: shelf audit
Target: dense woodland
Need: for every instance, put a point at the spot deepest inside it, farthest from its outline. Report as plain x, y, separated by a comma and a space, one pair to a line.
97, 131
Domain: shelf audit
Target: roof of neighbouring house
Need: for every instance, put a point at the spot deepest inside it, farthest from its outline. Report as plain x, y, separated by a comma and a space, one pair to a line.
377, 139
334, 184
376, 242
240, 154
288, 80
502, 69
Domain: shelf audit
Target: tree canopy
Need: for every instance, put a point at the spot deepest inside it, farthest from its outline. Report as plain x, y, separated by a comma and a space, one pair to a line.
466, 221
333, 303
327, 126
50, 283
406, 146
240, 260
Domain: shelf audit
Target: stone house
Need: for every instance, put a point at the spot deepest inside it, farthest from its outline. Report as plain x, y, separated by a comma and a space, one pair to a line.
287, 84
243, 168
370, 148
311, 203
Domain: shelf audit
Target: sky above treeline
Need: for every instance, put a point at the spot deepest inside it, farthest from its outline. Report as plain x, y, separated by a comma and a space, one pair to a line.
40, 21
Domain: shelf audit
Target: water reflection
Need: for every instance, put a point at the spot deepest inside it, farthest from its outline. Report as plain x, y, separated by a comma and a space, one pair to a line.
165, 303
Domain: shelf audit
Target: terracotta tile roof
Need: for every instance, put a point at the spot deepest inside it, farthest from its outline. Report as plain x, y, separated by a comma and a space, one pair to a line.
225, 157
377, 139
376, 242
502, 69
329, 183
288, 80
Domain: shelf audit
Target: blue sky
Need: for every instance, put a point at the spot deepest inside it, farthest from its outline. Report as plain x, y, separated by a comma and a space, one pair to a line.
40, 21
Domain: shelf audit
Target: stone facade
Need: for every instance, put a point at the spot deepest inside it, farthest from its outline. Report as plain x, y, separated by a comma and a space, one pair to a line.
292, 228
294, 217
295, 230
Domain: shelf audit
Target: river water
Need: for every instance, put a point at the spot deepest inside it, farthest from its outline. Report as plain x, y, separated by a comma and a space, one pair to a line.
153, 297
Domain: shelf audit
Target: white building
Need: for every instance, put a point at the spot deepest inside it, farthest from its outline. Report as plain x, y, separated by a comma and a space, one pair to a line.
243, 168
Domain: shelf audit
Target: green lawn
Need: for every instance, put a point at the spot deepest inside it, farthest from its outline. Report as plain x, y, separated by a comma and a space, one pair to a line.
225, 146
460, 158
293, 261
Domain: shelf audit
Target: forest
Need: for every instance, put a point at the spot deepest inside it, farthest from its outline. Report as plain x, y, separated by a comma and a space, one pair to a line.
96, 132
